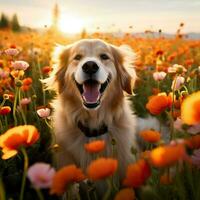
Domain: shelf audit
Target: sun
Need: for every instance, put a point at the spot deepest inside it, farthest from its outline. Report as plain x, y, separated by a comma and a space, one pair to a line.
71, 24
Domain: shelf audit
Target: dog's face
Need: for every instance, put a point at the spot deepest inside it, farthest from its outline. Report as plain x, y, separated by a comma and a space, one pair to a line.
91, 69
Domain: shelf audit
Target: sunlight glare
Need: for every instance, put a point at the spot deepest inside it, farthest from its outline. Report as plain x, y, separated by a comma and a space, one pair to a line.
71, 24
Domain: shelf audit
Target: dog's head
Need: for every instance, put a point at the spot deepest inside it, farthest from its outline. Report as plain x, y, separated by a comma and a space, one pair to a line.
91, 69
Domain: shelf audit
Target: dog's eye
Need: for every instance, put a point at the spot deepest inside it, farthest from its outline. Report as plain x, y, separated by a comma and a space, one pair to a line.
78, 57
104, 56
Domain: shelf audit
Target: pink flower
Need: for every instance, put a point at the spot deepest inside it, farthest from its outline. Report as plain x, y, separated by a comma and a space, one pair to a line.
25, 101
158, 76
20, 65
3, 74
177, 141
43, 112
11, 51
177, 83
196, 158
41, 175
194, 129
178, 124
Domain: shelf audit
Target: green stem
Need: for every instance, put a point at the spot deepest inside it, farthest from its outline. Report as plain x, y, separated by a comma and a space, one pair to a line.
22, 112
47, 123
2, 191
53, 135
108, 192
172, 112
1, 126
39, 193
185, 89
95, 195
24, 173
171, 119
2, 103
78, 196
6, 122
15, 106
88, 195
41, 77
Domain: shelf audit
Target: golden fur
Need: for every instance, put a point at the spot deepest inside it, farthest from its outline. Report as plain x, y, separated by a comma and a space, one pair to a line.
114, 109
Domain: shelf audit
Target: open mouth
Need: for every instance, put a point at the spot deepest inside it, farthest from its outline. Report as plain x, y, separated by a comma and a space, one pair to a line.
91, 91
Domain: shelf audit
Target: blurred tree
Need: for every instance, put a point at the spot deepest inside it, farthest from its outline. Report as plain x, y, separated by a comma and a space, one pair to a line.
4, 21
15, 23
56, 14
83, 33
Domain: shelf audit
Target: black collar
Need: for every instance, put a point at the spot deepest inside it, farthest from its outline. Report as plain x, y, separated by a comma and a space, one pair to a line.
94, 132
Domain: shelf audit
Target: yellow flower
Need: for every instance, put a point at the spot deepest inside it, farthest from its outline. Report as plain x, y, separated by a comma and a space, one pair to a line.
190, 109
11, 140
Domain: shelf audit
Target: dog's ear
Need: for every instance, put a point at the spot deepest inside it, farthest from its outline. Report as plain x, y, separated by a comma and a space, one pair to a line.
59, 60
124, 59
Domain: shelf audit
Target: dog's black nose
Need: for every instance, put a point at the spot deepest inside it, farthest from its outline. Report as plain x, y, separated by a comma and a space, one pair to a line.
90, 67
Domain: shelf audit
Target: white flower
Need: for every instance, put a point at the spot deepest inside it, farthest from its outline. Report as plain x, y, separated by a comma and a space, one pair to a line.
176, 68
177, 83
20, 65
158, 76
43, 112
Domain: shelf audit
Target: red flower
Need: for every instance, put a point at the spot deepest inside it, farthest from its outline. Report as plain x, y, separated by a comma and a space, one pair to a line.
46, 69
5, 110
27, 81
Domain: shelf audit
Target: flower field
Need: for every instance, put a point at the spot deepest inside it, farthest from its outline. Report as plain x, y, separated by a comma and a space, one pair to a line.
167, 88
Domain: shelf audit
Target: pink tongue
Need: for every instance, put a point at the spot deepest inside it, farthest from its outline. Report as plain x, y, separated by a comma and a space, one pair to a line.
91, 92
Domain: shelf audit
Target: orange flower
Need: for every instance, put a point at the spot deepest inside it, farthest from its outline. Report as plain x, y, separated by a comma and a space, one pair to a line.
12, 139
65, 176
5, 110
137, 173
95, 146
158, 104
102, 168
167, 155
190, 109
193, 142
150, 135
125, 194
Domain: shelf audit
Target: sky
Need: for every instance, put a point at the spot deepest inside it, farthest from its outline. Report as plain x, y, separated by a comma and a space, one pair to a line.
108, 15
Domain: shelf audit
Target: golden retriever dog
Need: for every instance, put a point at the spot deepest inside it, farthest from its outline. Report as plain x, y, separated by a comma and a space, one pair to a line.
92, 79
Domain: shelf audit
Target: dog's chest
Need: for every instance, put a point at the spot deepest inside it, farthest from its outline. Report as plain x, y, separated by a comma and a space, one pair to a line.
117, 145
